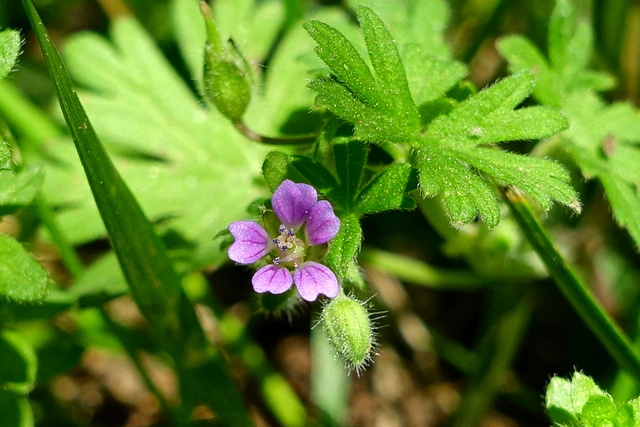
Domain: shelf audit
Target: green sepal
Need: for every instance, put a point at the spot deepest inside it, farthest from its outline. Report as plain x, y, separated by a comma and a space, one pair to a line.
279, 166
278, 304
345, 246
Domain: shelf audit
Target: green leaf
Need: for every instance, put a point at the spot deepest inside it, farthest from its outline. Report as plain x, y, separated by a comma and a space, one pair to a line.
172, 152
345, 246
154, 284
429, 78
523, 55
625, 202
564, 399
22, 278
351, 159
18, 364
10, 44
580, 402
19, 190
451, 155
418, 29
599, 410
388, 67
380, 107
55, 302
463, 192
492, 106
279, 166
415, 24
388, 191
15, 409
543, 180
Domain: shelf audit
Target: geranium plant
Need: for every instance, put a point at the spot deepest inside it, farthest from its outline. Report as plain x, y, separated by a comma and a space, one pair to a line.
320, 213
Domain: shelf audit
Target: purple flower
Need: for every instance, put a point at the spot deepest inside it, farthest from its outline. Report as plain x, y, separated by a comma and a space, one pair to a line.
290, 262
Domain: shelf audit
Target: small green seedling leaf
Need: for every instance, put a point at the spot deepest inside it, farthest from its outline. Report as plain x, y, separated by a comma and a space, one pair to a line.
10, 44
580, 402
22, 278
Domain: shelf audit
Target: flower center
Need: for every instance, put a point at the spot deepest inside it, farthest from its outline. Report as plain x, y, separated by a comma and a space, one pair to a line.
289, 248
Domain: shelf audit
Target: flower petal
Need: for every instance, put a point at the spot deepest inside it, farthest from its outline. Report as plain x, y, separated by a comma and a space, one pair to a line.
252, 242
292, 202
313, 279
272, 278
322, 224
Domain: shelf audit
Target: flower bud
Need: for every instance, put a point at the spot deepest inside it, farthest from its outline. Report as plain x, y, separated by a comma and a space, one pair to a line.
226, 75
350, 330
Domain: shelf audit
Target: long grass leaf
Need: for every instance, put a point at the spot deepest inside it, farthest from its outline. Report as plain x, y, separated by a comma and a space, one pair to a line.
154, 284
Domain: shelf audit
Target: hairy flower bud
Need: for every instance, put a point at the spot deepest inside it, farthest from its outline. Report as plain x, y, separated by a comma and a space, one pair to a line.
226, 75
350, 330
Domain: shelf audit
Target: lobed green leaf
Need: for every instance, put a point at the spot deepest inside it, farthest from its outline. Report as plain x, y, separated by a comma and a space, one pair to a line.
464, 194
542, 180
384, 56
345, 62
380, 107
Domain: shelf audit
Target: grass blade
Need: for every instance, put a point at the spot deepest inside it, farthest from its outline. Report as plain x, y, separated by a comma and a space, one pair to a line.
573, 288
154, 284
